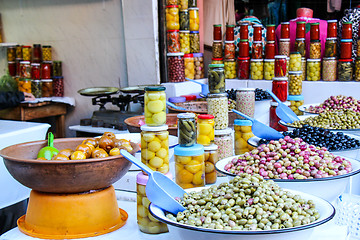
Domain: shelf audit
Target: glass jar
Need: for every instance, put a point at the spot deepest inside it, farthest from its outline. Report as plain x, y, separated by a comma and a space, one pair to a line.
217, 32
194, 42
285, 30
186, 129
35, 71
172, 17
280, 65
12, 68
25, 69
199, 65
189, 66
358, 48
230, 68
18, 51
17, 63
287, 66
58, 86
295, 61
205, 129
46, 53
270, 50
183, 5
244, 32
218, 107
303, 68
36, 88
189, 166
211, 157
24, 85
155, 147
192, 3
146, 222
176, 70
217, 48
245, 101
274, 119
330, 47
46, 69
357, 70
216, 78
300, 46
295, 102
57, 68
314, 31
11, 54
284, 47
229, 50
244, 48
229, 33
217, 61
270, 32
346, 32
36, 53
257, 32
224, 141
185, 42
173, 41
269, 69
313, 69
300, 30
257, 48
315, 49
256, 69
26, 53
172, 2
243, 67
155, 106
194, 19
295, 83
184, 20
242, 134
332, 28
346, 48
345, 70
329, 69
47, 87
280, 88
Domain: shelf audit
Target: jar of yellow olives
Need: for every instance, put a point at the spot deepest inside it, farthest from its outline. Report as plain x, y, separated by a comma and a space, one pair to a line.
269, 69
295, 83
189, 66
313, 69
211, 157
205, 129
242, 134
185, 41
295, 102
189, 166
295, 61
172, 17
155, 147
146, 222
230, 68
194, 19
256, 69
217, 61
303, 68
155, 106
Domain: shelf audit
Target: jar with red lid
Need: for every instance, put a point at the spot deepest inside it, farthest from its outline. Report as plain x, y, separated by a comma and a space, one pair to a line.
47, 87
173, 41
217, 61
270, 50
270, 32
280, 88
244, 31
346, 32
46, 70
256, 52
345, 70
12, 68
300, 29
35, 70
314, 31
217, 48
17, 63
189, 97
26, 53
300, 46
257, 32
58, 86
346, 48
331, 47
284, 47
285, 30
243, 70
244, 48
172, 17
176, 69
36, 53
332, 28
280, 66
189, 65
274, 119
229, 32
217, 33
229, 50
25, 69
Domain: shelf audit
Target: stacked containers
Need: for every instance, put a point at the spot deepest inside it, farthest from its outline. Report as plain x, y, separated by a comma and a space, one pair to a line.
313, 68
284, 45
329, 63
257, 62
345, 65
243, 61
229, 53
269, 61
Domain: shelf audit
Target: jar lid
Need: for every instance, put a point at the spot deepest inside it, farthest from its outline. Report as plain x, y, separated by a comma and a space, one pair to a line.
217, 25
300, 39
244, 40
329, 58
24, 62
27, 79
332, 21
284, 39
177, 99
172, 6
346, 40
269, 60
46, 46
270, 25
229, 41
345, 60
256, 60
194, 31
315, 23
229, 60
280, 78
46, 80
270, 42
35, 64
280, 56
315, 41
230, 25
188, 55
153, 89
331, 38
284, 23
257, 42
246, 89
243, 58
36, 80
275, 104
194, 8
186, 115
184, 10
303, 59
225, 131
26, 46
153, 129
198, 54
256, 25
217, 41
295, 97
313, 60
36, 45
244, 23
175, 54
211, 147
194, 150
217, 59
347, 22
205, 116
216, 95
294, 53
215, 65
242, 122
142, 178
300, 22
172, 30
295, 72
47, 62
58, 77
11, 62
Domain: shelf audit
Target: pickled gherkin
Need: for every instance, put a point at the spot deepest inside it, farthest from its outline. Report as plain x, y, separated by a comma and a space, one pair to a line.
216, 78
186, 129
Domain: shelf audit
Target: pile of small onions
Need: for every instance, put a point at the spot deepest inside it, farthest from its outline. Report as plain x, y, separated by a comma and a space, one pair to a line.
336, 103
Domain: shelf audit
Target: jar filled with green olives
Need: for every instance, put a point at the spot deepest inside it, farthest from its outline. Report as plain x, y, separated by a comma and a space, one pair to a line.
330, 47
155, 106
36, 88
256, 69
216, 78
313, 71
345, 70
295, 61
269, 69
295, 102
357, 69
303, 68
194, 41
217, 49
230, 68
295, 83
186, 129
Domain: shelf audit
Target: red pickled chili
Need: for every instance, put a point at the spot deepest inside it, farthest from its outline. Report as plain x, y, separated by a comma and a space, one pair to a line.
332, 28
244, 31
300, 29
243, 70
244, 48
346, 32
256, 52
35, 71
285, 30
270, 32
280, 88
270, 50
280, 66
257, 34
314, 31
217, 32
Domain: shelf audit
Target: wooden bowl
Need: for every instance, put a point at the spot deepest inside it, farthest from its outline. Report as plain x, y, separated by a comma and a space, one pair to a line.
133, 125
71, 176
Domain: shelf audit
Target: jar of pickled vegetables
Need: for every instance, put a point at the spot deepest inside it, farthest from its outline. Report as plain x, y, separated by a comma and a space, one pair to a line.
205, 129
172, 2
269, 69
11, 53
287, 66
46, 53
194, 42
224, 141
270, 32
314, 31
186, 129
245, 101
284, 46
313, 69
300, 46
189, 66
25, 69
229, 50
211, 157
270, 50
194, 19
173, 41
58, 86
217, 48
229, 32
18, 51
295, 83
155, 147
12, 68
358, 48
244, 47
46, 69
280, 88
274, 119
185, 41
345, 70
295, 61
189, 166
216, 78
243, 67
242, 134
280, 66
330, 47
24, 85
357, 69
230, 68
176, 69
218, 107
184, 20
199, 65
256, 69
303, 68
36, 88
155, 106
285, 30
192, 3
346, 48
172, 17
300, 30
47, 87
295, 102
332, 29
217, 61
315, 49
146, 222
183, 5
26, 52
329, 69
257, 48
346, 32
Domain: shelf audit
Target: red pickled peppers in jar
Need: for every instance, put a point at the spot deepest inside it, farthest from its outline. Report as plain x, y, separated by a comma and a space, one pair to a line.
332, 29
274, 119
270, 32
300, 29
280, 88
244, 48
346, 48
280, 66
243, 70
270, 50
244, 31
314, 31
285, 30
230, 32
346, 32
217, 34
257, 34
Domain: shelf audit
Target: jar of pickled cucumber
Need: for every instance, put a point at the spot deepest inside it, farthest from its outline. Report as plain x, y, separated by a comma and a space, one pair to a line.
274, 119
315, 49
184, 20
224, 140
26, 52
345, 70
155, 147
155, 106
211, 157
243, 67
245, 101
184, 41
36, 88
216, 78
46, 53
172, 17
295, 83
183, 4
284, 46
329, 69
269, 69
300, 46
313, 72
229, 50
186, 129
194, 19
199, 65
295, 102
230, 68
242, 134
256, 69
173, 41
295, 61
357, 69
218, 107
24, 85
256, 50
47, 87
331, 47
217, 61
217, 48
303, 68
146, 222
189, 166
205, 129
194, 42
189, 66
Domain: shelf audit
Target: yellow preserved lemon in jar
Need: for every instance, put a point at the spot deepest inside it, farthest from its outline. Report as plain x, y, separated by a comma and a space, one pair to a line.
172, 17
242, 134
194, 19
189, 66
205, 129
155, 106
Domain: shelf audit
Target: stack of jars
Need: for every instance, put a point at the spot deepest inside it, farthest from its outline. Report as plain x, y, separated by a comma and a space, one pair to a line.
229, 53
269, 61
313, 65
300, 46
284, 43
295, 82
329, 63
257, 62
243, 61
345, 65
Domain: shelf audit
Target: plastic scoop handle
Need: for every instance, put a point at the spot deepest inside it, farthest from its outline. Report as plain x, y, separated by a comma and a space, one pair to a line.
273, 96
136, 161
174, 106
195, 81
243, 115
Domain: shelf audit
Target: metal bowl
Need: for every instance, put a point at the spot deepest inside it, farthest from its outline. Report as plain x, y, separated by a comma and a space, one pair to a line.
71, 176
133, 125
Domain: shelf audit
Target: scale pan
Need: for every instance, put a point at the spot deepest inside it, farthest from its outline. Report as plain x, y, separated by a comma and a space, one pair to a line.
98, 91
